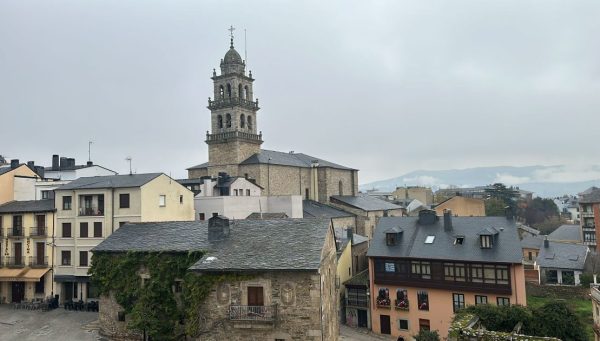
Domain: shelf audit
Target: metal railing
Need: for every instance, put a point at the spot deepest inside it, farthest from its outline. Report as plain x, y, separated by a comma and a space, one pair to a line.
91, 211
267, 313
38, 261
15, 232
38, 231
587, 214
232, 101
15, 262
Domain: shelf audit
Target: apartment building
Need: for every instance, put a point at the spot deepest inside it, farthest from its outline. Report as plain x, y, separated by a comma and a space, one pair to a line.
26, 228
589, 212
89, 209
423, 269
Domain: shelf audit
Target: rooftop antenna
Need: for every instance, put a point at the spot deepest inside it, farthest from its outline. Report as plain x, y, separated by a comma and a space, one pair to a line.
90, 150
129, 160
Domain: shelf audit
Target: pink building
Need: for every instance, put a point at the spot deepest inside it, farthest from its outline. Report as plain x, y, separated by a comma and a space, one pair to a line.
422, 269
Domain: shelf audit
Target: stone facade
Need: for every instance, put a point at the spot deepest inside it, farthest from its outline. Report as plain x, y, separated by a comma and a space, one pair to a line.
111, 327
367, 220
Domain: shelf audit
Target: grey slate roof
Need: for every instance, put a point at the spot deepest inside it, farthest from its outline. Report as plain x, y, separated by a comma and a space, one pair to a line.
172, 236
110, 181
566, 233
267, 216
361, 279
365, 203
288, 159
315, 209
530, 242
5, 170
562, 256
589, 196
29, 206
506, 248
255, 245
202, 165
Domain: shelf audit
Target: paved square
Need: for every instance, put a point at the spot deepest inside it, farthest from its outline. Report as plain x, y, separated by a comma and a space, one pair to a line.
58, 324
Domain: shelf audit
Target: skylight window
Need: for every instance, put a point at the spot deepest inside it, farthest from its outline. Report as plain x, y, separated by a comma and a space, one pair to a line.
429, 239
459, 240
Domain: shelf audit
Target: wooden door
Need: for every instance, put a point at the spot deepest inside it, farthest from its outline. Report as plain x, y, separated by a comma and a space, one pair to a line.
384, 321
40, 221
18, 253
18, 292
255, 296
40, 253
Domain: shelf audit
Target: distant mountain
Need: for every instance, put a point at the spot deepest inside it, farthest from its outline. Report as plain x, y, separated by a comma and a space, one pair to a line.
544, 181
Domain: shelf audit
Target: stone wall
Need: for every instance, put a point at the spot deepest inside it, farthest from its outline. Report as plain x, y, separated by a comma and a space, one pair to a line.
110, 326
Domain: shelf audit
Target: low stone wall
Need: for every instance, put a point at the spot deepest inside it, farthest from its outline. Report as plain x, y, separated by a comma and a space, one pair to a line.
558, 291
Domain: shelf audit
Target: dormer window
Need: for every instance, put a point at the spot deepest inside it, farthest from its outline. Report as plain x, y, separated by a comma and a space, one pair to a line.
391, 239
486, 241
459, 240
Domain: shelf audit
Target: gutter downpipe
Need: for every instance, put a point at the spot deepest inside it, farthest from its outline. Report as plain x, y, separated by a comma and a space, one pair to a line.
321, 305
112, 209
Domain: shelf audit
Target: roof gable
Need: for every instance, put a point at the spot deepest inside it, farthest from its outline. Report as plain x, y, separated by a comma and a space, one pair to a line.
110, 181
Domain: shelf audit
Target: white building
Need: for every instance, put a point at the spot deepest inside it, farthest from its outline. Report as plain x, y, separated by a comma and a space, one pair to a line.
65, 169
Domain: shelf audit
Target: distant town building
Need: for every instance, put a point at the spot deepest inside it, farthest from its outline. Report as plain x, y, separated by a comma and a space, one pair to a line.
531, 249
64, 168
561, 263
589, 211
567, 233
409, 193
462, 207
367, 209
90, 209
17, 182
423, 269
339, 218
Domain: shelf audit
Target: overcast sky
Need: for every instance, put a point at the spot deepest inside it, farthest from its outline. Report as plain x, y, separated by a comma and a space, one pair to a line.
387, 87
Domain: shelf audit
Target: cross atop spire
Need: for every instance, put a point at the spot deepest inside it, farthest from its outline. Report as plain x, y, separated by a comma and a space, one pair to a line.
231, 29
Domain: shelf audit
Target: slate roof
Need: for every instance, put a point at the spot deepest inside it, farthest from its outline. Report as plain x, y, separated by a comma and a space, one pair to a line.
528, 229
562, 256
29, 206
342, 236
288, 159
359, 280
267, 216
530, 242
506, 245
5, 170
275, 245
202, 165
110, 181
365, 203
589, 196
173, 236
314, 209
566, 233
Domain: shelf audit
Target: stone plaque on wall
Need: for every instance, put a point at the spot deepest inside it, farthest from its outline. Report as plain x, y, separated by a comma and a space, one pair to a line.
223, 293
288, 294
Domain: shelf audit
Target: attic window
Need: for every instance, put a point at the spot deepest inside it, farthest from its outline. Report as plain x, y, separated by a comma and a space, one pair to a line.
459, 240
429, 239
390, 239
486, 241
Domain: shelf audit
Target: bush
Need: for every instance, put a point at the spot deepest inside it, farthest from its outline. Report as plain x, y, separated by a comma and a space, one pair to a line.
557, 320
501, 318
586, 279
427, 335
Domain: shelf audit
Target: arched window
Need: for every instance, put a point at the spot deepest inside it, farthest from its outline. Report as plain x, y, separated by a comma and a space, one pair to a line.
242, 121
246, 93
220, 121
341, 187
228, 120
221, 92
228, 90
249, 121
240, 93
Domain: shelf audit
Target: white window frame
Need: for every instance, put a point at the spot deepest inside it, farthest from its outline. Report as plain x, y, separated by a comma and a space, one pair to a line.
162, 200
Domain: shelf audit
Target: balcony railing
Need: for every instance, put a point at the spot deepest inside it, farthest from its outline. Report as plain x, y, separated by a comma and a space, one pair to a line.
233, 134
232, 101
15, 232
587, 214
267, 313
38, 261
589, 227
15, 262
91, 211
38, 232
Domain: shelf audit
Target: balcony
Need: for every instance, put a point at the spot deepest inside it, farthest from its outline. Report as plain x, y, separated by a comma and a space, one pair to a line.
15, 262
267, 313
38, 232
91, 211
224, 136
587, 214
15, 232
401, 304
231, 102
38, 261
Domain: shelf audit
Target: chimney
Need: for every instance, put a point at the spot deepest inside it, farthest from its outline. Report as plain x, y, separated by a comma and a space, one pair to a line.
508, 212
14, 163
55, 164
71, 163
218, 228
39, 170
63, 162
546, 243
447, 220
31, 165
89, 163
427, 217
350, 235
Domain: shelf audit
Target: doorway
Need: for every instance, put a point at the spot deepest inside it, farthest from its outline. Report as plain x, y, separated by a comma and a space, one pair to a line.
18, 253
255, 296
40, 255
362, 318
384, 321
18, 292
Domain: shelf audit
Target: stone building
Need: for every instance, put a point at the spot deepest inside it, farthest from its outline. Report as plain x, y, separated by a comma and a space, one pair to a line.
368, 211
234, 144
289, 291
462, 207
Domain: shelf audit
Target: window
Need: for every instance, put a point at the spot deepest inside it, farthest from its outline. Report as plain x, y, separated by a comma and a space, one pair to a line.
459, 240
181, 199
124, 200
383, 297
401, 299
421, 269
121, 316
503, 301
215, 214
568, 277
65, 257
162, 200
530, 255
423, 300
67, 201
390, 267
220, 121
228, 90
306, 196
236, 192
249, 121
178, 286
480, 299
92, 291
17, 222
390, 239
221, 92
429, 239
486, 241
66, 230
46, 195
201, 216
242, 121
424, 325
247, 192
458, 302
340, 188
83, 258
228, 120
589, 237
477, 273
98, 229
403, 324
83, 230
501, 275
39, 286
552, 276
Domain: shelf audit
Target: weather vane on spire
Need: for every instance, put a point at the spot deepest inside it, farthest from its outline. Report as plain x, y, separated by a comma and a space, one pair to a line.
231, 29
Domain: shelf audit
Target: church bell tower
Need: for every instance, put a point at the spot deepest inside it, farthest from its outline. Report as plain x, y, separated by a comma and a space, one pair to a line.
233, 137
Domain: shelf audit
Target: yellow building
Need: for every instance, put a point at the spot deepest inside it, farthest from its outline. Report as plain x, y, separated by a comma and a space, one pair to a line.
26, 250
410, 193
17, 182
90, 209
462, 207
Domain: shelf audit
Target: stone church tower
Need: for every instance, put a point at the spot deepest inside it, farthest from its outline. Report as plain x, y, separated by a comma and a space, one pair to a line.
233, 137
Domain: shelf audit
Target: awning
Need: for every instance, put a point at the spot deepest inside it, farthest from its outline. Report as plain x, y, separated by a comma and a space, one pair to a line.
33, 275
71, 278
11, 275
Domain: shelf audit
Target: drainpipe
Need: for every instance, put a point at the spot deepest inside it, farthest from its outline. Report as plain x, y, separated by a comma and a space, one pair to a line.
321, 305
53, 254
112, 210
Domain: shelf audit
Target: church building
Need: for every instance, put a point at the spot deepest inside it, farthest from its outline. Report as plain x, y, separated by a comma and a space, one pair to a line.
234, 144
